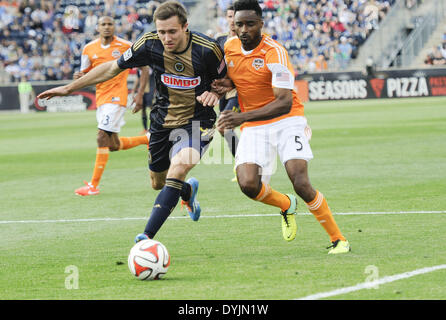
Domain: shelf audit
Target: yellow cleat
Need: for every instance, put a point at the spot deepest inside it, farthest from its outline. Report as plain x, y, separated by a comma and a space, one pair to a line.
289, 226
339, 246
235, 176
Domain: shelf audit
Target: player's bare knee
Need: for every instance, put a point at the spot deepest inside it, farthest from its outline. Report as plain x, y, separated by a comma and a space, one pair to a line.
250, 187
304, 190
113, 147
102, 139
157, 185
179, 171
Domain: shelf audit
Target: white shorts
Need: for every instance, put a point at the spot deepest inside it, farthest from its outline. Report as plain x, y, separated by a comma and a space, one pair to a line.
261, 144
110, 117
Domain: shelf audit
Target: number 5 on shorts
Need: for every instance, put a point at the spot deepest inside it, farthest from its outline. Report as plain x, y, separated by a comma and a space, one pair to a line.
299, 145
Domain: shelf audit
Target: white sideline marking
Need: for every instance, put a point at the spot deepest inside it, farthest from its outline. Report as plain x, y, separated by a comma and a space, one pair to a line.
215, 217
371, 284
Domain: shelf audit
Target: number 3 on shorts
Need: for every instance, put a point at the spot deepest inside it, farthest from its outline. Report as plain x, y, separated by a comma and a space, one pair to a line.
106, 120
299, 145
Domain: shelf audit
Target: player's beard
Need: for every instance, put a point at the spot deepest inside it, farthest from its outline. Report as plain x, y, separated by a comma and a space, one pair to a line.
250, 43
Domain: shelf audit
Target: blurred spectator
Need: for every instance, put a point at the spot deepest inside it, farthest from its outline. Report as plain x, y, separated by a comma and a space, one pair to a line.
4, 76
50, 75
437, 56
345, 50
371, 14
410, 4
91, 20
132, 16
370, 67
26, 93
443, 49
71, 21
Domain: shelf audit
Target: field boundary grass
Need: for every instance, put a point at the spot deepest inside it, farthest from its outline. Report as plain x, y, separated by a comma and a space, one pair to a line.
373, 284
214, 217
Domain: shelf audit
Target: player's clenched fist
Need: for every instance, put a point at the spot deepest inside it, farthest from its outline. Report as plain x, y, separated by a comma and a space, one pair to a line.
208, 99
229, 119
221, 86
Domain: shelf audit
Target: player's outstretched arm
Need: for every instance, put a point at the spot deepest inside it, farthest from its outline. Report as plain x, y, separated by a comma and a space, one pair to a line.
99, 74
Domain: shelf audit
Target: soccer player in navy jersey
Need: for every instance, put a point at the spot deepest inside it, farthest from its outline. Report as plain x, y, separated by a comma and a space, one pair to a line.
182, 119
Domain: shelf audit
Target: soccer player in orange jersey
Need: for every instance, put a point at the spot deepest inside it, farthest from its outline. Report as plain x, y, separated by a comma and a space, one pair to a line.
273, 122
111, 99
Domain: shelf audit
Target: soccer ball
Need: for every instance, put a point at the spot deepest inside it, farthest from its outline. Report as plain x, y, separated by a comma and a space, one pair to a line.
148, 260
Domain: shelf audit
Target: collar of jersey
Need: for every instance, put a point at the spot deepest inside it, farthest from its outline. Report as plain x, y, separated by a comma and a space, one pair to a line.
244, 52
108, 45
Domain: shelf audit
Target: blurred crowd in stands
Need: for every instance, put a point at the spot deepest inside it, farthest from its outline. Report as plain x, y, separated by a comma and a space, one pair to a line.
321, 35
43, 39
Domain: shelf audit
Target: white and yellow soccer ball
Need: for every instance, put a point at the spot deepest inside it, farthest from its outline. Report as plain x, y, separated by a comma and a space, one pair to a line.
148, 260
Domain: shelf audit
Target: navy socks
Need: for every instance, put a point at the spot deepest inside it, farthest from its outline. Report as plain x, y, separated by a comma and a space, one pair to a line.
165, 202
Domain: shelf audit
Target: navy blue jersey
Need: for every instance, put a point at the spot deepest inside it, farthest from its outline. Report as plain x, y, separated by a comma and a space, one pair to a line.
221, 39
179, 77
229, 101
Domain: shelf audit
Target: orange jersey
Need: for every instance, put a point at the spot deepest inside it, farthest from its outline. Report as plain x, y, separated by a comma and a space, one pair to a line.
257, 72
114, 90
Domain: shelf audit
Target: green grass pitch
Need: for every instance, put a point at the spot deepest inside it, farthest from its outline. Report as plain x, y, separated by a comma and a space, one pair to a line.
370, 156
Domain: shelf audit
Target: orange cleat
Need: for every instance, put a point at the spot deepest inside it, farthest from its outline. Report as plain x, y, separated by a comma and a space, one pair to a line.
87, 190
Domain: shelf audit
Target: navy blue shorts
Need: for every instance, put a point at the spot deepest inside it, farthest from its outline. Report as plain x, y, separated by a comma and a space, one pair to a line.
165, 144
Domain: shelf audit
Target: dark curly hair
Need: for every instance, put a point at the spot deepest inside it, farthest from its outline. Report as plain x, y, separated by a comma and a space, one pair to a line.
248, 5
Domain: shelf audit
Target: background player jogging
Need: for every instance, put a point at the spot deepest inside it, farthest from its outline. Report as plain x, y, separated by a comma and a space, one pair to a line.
273, 121
182, 119
111, 99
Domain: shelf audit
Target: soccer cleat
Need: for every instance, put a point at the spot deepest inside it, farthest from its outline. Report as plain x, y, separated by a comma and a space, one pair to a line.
87, 190
289, 226
141, 236
339, 246
193, 206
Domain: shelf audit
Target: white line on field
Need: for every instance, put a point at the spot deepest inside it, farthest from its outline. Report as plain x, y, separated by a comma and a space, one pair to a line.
373, 284
215, 217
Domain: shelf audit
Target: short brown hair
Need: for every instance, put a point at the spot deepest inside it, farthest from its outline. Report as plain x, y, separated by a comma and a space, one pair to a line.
170, 9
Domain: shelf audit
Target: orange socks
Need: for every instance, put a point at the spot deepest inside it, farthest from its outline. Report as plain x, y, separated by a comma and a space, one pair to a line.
99, 166
131, 142
103, 153
274, 198
319, 208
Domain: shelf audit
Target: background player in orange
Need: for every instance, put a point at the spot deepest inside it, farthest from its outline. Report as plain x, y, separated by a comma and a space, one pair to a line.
273, 121
111, 99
